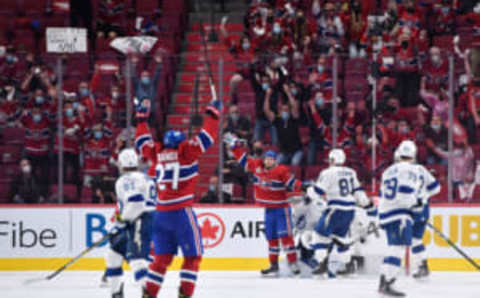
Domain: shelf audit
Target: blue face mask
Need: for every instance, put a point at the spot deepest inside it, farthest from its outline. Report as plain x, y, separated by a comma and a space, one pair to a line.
145, 80
285, 116
37, 118
234, 117
436, 127
265, 86
75, 105
84, 92
69, 113
39, 99
9, 59
212, 187
320, 68
294, 91
246, 46
319, 102
445, 10
277, 29
97, 135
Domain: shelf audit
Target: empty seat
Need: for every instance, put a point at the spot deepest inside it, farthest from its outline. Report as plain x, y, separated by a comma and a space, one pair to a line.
10, 153
13, 135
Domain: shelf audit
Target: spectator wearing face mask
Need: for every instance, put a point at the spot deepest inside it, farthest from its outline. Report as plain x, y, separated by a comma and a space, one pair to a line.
24, 188
41, 100
410, 18
435, 70
329, 26
147, 85
73, 134
287, 124
436, 101
319, 115
400, 133
320, 79
9, 66
10, 107
443, 18
473, 119
238, 123
86, 98
119, 107
436, 135
264, 91
37, 145
406, 71
463, 163
212, 195
96, 156
356, 24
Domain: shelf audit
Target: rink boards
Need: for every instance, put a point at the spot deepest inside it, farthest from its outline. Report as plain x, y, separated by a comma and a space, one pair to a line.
45, 237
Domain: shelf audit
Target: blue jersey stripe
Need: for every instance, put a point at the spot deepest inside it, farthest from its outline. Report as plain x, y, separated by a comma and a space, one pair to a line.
433, 185
405, 189
136, 198
318, 190
396, 212
205, 139
184, 172
341, 203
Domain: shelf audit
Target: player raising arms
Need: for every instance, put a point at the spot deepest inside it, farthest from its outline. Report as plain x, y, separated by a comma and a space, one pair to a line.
339, 185
402, 184
175, 224
136, 195
271, 184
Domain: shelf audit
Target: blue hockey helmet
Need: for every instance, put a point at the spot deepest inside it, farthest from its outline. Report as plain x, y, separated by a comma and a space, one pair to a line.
173, 138
270, 153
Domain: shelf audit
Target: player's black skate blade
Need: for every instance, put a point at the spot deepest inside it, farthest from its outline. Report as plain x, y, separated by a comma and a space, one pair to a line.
320, 270
423, 271
294, 269
146, 294
272, 271
386, 288
118, 294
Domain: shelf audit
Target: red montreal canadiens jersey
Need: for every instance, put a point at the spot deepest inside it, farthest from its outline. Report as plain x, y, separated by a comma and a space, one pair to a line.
176, 169
271, 186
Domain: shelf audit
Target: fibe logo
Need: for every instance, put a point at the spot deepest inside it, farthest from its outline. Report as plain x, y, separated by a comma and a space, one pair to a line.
20, 235
95, 227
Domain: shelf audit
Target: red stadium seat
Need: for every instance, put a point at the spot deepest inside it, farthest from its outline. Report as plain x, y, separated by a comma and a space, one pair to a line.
10, 153
311, 172
4, 191
13, 135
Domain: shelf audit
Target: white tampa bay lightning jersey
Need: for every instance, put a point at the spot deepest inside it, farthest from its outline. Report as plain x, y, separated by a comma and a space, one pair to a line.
403, 184
341, 188
136, 193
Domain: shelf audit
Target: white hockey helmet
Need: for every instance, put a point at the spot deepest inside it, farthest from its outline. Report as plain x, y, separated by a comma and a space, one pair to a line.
407, 149
396, 156
337, 157
128, 158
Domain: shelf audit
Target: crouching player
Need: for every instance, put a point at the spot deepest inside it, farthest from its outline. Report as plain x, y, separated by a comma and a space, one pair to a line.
271, 184
136, 195
402, 184
175, 224
340, 186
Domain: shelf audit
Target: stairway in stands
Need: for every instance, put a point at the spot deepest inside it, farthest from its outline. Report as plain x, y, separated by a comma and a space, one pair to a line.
193, 63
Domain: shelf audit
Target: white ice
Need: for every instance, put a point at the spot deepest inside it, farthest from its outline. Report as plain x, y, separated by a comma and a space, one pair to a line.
85, 284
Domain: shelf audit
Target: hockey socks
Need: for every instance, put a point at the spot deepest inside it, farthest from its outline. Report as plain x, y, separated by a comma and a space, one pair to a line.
289, 248
273, 251
188, 275
156, 273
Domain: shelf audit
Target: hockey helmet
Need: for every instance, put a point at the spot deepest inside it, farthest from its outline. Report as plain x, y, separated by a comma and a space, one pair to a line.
128, 158
270, 153
173, 138
337, 157
407, 149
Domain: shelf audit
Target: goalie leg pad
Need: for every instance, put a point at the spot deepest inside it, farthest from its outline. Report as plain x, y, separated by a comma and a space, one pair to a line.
188, 275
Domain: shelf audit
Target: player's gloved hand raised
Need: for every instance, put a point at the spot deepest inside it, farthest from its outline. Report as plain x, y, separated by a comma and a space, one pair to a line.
214, 108
142, 109
232, 141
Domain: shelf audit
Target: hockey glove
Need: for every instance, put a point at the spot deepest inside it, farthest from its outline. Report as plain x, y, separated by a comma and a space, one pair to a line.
371, 210
214, 108
306, 184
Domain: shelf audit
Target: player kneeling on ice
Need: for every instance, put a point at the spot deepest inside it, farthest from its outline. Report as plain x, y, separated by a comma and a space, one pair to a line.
271, 184
136, 195
306, 213
340, 187
403, 189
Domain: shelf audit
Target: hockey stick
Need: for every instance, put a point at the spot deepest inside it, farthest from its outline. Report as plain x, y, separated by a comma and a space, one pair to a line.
454, 246
73, 260
371, 229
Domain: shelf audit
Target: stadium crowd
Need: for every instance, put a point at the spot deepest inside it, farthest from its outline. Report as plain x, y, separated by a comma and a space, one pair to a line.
286, 55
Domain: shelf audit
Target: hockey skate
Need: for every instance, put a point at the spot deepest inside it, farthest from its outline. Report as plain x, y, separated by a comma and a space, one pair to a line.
294, 268
271, 271
146, 294
118, 294
349, 269
422, 271
104, 281
321, 269
386, 288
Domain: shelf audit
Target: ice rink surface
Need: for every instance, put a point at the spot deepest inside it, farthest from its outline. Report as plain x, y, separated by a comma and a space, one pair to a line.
214, 284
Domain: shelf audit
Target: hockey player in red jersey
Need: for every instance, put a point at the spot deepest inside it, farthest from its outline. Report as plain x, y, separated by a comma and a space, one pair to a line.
175, 224
271, 184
